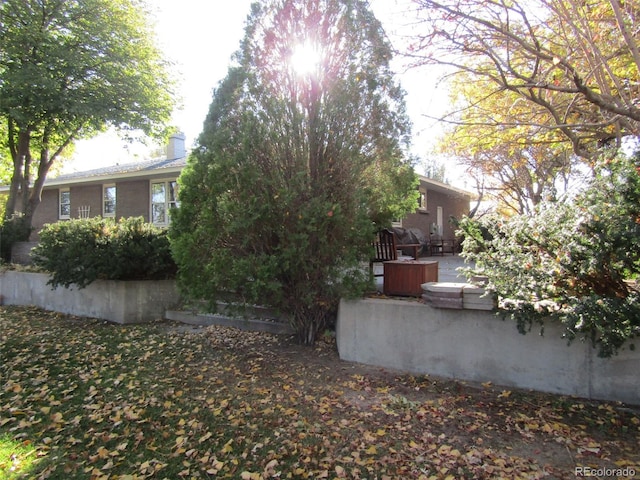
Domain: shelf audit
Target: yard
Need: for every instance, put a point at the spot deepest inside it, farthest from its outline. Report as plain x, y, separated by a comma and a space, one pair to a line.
83, 398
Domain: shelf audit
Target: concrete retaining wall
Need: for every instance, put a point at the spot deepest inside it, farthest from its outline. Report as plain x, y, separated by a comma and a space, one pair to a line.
116, 301
479, 346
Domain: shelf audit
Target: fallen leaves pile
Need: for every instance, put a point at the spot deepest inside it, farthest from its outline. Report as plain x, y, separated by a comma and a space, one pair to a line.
82, 398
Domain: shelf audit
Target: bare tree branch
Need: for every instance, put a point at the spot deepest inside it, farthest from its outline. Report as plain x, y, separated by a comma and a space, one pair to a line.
578, 62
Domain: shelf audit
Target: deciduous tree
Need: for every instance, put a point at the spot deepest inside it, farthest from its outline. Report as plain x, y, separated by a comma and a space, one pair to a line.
519, 164
575, 65
68, 70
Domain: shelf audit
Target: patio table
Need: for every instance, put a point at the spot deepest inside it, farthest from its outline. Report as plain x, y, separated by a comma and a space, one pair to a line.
405, 277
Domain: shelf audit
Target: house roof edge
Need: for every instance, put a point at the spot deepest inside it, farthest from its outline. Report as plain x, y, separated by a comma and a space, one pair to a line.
444, 186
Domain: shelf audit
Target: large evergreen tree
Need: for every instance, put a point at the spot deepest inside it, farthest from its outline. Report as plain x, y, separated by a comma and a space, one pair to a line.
68, 70
301, 158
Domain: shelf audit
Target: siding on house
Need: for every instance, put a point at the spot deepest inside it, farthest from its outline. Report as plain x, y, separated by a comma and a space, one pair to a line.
133, 193
47, 211
133, 196
86, 196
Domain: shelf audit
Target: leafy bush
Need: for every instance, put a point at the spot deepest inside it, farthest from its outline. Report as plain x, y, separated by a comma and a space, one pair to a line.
13, 230
80, 251
571, 261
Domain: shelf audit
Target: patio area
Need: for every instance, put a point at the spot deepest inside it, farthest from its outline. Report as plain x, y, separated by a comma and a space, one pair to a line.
447, 268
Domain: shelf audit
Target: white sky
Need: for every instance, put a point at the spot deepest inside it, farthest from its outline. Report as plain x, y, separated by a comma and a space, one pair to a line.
200, 36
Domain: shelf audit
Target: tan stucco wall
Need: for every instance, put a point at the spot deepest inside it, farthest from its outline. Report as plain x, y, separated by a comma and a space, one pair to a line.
480, 346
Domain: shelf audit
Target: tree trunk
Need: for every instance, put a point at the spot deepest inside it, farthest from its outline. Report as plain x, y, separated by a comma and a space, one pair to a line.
308, 322
19, 188
35, 195
23, 197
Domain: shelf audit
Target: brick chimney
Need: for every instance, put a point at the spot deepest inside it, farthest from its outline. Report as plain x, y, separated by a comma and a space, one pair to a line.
176, 148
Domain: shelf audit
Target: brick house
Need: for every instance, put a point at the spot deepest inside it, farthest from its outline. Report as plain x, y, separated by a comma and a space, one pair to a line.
148, 189
437, 204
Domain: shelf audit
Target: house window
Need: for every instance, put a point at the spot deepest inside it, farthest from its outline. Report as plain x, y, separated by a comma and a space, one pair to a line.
164, 197
64, 204
109, 201
422, 200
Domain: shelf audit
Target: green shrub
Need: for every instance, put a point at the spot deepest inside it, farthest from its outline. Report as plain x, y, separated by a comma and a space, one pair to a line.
571, 261
140, 251
80, 251
12, 230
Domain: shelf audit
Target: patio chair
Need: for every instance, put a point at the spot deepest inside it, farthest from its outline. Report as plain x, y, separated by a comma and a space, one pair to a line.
440, 246
435, 244
385, 249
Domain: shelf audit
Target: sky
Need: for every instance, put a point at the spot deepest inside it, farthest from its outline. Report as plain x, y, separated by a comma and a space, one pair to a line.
200, 37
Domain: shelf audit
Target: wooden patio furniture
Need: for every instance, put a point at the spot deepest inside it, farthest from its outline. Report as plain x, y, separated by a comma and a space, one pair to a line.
440, 246
412, 246
403, 238
385, 249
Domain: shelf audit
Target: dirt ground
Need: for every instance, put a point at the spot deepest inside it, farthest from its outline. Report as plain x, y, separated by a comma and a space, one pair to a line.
558, 433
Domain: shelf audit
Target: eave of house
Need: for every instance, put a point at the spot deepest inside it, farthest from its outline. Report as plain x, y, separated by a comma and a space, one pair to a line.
440, 187
172, 168
131, 171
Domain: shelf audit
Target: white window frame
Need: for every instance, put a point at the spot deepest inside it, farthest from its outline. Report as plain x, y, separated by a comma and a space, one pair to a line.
104, 200
64, 216
167, 204
422, 199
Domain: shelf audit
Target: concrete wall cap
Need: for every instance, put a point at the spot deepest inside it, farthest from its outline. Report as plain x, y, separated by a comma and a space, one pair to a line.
443, 287
470, 288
